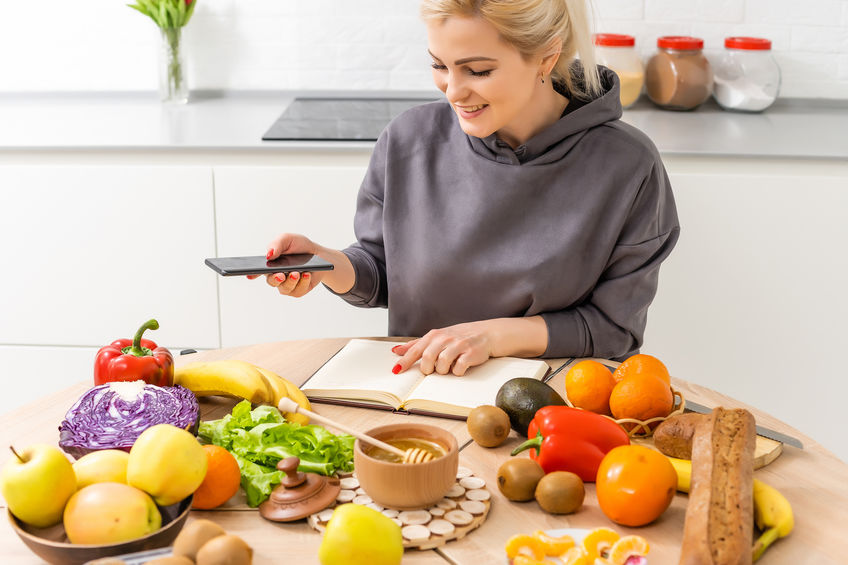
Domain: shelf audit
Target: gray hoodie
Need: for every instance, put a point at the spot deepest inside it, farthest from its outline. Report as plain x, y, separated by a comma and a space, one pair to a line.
572, 226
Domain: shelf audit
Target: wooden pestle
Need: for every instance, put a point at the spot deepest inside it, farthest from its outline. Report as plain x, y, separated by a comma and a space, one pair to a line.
412, 455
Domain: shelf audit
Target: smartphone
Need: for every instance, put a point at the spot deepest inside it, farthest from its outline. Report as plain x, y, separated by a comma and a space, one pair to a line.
258, 265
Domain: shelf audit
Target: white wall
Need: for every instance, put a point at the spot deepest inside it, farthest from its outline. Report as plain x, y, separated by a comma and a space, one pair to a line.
58, 45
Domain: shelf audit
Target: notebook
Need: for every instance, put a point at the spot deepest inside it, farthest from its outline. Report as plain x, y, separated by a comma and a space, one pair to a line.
360, 374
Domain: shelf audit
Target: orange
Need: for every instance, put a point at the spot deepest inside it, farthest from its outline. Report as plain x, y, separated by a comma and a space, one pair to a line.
588, 385
222, 479
627, 547
635, 485
642, 364
525, 545
575, 556
641, 397
598, 542
554, 545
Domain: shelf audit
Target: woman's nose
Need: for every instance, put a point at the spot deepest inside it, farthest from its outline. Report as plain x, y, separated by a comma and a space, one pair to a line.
455, 88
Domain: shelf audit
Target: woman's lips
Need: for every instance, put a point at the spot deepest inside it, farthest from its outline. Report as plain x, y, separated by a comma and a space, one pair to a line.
469, 112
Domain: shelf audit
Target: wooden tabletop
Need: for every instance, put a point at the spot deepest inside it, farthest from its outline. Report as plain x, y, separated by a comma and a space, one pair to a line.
813, 479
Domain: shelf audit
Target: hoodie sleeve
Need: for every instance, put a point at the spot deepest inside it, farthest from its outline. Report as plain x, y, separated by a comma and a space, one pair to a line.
368, 255
610, 323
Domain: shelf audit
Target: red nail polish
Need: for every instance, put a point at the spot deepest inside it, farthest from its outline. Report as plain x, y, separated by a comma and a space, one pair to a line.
294, 276
269, 255
395, 348
280, 278
396, 369
306, 275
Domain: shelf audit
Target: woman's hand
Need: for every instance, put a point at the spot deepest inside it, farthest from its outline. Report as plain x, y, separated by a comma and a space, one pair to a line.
455, 349
297, 284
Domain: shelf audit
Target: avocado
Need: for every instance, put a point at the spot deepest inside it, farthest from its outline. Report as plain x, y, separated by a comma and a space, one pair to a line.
521, 397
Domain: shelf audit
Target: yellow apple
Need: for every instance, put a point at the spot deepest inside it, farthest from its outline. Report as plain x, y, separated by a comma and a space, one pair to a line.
110, 513
166, 462
36, 483
358, 535
104, 466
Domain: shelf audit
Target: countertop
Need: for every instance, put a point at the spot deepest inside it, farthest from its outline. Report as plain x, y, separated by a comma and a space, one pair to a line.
235, 121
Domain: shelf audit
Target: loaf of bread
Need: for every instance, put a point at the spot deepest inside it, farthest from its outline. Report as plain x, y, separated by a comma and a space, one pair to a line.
673, 437
719, 525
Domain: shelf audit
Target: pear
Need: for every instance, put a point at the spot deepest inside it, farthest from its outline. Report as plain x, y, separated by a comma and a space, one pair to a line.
358, 535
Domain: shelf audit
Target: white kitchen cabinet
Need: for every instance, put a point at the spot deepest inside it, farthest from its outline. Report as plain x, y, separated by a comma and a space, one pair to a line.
253, 205
752, 302
91, 252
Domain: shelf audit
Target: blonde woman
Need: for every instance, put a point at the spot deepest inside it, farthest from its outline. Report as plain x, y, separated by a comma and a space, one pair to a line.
519, 216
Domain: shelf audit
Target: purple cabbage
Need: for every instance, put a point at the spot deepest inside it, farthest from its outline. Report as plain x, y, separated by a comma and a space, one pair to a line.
112, 416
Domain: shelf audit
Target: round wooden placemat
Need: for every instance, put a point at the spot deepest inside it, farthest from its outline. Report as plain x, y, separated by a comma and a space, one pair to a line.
461, 497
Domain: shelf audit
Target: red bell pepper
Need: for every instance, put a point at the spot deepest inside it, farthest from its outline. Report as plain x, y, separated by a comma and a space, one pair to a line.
571, 439
135, 359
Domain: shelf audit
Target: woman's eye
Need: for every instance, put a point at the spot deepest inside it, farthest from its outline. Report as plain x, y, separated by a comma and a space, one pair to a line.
438, 67
480, 73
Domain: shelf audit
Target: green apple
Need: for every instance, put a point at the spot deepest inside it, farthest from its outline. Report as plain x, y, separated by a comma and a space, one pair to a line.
166, 462
37, 483
110, 513
358, 535
104, 466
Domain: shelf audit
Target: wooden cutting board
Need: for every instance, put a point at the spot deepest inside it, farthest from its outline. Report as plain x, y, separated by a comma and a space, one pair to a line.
765, 451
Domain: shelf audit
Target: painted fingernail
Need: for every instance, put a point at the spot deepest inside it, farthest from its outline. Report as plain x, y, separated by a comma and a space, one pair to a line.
395, 348
294, 276
306, 275
270, 254
280, 278
396, 369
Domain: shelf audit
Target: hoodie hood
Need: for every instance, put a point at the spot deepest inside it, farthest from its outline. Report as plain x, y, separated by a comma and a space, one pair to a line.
554, 142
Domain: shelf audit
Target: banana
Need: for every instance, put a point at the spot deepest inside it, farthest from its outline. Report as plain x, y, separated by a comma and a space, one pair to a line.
228, 377
772, 511
284, 388
773, 515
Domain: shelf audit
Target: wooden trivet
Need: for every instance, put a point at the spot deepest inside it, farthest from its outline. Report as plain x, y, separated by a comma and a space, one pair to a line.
462, 509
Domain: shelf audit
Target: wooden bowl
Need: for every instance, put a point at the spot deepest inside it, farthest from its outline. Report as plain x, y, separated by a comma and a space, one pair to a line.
52, 545
407, 486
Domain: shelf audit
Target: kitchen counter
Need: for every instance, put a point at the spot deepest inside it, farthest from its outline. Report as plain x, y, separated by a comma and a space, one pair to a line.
235, 121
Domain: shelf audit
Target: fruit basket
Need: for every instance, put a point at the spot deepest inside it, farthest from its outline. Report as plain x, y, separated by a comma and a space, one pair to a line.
645, 428
52, 545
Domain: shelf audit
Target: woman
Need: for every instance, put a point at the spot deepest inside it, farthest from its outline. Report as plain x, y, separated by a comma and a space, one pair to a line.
518, 216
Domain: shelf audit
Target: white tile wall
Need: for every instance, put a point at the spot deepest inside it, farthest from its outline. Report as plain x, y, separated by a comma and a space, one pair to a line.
368, 44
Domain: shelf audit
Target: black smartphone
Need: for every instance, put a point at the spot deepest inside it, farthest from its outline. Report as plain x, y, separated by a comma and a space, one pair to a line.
258, 265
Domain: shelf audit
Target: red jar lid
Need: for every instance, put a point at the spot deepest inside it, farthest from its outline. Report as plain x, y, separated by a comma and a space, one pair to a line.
751, 43
680, 42
614, 40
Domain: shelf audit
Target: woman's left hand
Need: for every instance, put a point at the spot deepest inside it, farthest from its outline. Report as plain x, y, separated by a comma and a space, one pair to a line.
445, 350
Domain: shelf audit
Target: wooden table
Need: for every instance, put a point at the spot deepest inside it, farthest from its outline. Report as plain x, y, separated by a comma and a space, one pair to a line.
814, 480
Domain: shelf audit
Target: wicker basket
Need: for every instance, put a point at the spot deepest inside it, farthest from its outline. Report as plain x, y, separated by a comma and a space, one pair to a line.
643, 428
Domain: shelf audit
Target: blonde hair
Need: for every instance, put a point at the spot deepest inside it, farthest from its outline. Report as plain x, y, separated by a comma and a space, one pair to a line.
531, 26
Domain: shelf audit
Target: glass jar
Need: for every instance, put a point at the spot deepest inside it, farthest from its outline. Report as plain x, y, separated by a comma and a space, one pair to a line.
747, 78
618, 53
679, 76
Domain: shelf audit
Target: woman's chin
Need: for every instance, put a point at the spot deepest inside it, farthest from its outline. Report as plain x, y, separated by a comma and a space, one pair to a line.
474, 129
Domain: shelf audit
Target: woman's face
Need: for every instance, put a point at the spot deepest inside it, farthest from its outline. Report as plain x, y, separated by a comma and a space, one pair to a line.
489, 84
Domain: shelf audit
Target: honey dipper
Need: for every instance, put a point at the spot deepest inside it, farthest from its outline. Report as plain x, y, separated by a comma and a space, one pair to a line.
411, 455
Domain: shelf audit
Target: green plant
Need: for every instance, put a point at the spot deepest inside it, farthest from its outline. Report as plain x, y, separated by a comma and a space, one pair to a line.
168, 14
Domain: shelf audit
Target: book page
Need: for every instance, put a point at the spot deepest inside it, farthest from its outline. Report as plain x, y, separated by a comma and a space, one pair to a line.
479, 385
362, 365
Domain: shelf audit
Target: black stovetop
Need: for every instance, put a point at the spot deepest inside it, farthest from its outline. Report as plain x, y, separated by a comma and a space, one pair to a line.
338, 119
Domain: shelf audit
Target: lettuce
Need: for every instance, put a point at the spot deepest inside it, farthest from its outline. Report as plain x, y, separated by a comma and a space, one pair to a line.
261, 437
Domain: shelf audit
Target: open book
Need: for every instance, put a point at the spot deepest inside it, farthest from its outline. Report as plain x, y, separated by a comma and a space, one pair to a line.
360, 374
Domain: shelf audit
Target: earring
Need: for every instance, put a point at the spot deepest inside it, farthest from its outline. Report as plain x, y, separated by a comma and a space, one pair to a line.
543, 79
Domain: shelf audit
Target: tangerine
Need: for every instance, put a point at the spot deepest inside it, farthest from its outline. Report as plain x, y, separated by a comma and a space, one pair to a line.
598, 542
222, 479
588, 385
627, 547
642, 364
635, 485
641, 397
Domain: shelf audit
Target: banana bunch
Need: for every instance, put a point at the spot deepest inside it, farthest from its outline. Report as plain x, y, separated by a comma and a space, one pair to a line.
772, 512
240, 379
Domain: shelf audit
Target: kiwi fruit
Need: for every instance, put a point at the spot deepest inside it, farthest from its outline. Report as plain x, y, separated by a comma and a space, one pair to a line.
518, 477
194, 535
488, 425
225, 550
560, 492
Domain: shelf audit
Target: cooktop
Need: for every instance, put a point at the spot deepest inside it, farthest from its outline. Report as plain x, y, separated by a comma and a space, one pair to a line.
338, 119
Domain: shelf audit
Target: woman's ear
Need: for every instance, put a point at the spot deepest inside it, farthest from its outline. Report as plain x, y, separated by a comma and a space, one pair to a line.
550, 56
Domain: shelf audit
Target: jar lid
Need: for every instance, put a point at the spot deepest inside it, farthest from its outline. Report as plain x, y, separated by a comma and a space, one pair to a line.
751, 43
614, 40
680, 42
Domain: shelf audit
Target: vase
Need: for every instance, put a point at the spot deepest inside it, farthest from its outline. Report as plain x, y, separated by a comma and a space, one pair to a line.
173, 84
